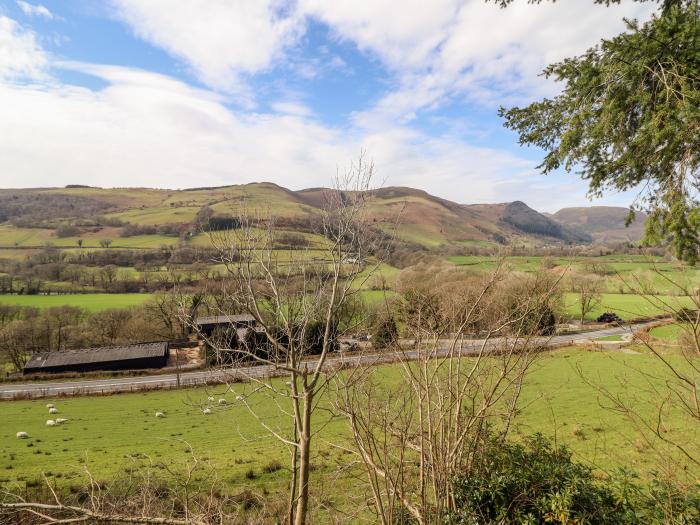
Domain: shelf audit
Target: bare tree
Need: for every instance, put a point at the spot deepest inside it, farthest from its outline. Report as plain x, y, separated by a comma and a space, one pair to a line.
302, 303
588, 289
414, 434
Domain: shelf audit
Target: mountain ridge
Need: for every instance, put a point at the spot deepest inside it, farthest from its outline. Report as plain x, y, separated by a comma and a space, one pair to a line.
424, 219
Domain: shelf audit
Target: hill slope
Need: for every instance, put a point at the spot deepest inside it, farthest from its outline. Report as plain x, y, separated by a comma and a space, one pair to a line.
150, 217
604, 224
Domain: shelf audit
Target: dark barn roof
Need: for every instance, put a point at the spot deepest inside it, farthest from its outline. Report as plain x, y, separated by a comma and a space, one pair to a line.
94, 358
225, 319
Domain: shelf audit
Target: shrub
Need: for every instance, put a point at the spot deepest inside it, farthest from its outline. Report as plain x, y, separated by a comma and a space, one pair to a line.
384, 332
532, 483
67, 230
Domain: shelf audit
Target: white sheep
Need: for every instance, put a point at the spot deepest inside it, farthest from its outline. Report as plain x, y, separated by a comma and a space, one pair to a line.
160, 414
50, 405
206, 411
22, 435
60, 420
210, 398
50, 422
53, 411
222, 401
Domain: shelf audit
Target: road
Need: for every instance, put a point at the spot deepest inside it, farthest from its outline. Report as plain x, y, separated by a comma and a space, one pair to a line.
9, 391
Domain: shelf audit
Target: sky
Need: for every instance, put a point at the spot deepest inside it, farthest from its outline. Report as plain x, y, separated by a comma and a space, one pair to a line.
156, 93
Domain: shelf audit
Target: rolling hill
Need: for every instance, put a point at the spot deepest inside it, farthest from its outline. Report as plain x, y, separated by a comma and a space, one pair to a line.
605, 224
142, 217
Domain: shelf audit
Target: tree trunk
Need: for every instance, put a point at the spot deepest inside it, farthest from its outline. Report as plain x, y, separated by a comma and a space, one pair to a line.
304, 460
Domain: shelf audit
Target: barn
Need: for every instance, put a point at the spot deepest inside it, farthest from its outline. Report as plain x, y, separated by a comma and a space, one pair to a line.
128, 357
207, 325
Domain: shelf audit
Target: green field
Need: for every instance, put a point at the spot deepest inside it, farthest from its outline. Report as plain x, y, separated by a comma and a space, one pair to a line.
627, 306
668, 333
107, 431
90, 302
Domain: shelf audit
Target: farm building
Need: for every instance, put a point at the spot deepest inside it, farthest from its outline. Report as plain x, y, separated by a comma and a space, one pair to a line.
207, 325
129, 357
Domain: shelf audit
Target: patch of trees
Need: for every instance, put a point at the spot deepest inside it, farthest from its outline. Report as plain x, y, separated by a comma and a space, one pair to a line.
32, 209
132, 230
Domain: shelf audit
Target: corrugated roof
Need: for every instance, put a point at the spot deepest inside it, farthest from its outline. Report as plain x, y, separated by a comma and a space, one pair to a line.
224, 319
97, 355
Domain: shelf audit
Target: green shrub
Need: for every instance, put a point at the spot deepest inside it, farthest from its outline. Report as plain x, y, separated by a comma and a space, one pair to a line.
532, 483
535, 483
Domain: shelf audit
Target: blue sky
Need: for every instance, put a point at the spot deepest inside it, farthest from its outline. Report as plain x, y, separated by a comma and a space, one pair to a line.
212, 92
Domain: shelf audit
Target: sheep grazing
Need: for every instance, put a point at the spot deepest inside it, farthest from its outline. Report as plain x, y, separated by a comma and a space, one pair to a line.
206, 411
60, 420
210, 398
160, 414
22, 435
50, 405
53, 411
222, 401
50, 422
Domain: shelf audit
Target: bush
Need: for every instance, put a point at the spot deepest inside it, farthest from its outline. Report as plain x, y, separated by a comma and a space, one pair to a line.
686, 315
384, 332
67, 230
532, 483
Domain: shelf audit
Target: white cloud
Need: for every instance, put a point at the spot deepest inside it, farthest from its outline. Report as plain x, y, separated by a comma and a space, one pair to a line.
149, 129
219, 39
492, 55
35, 10
21, 55
292, 108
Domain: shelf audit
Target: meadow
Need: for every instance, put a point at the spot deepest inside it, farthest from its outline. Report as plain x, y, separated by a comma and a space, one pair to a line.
108, 434
91, 302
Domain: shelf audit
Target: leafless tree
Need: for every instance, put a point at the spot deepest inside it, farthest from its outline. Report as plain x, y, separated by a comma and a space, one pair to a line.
412, 435
588, 289
302, 302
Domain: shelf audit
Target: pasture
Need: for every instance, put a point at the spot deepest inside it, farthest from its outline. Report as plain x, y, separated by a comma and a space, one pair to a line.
560, 400
90, 302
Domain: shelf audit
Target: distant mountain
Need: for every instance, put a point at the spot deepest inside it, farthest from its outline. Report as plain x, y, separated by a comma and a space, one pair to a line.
521, 216
61, 216
604, 224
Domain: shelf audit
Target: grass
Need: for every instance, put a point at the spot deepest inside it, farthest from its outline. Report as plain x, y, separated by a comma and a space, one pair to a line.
108, 431
610, 338
90, 302
668, 333
627, 306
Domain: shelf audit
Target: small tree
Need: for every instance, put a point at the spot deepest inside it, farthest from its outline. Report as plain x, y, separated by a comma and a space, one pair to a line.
588, 289
105, 243
300, 304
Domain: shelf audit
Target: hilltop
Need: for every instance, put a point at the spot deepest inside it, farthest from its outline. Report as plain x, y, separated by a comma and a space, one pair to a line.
146, 217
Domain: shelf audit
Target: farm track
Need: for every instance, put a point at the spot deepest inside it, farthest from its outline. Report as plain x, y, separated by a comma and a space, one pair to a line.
200, 378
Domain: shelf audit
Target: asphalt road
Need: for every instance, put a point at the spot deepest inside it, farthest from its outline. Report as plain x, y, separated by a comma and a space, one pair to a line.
10, 391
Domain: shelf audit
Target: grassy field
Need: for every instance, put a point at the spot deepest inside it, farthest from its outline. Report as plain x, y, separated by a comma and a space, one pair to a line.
90, 302
558, 401
668, 333
627, 306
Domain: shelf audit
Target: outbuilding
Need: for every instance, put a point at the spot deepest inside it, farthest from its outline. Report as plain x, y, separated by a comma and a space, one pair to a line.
127, 357
207, 325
